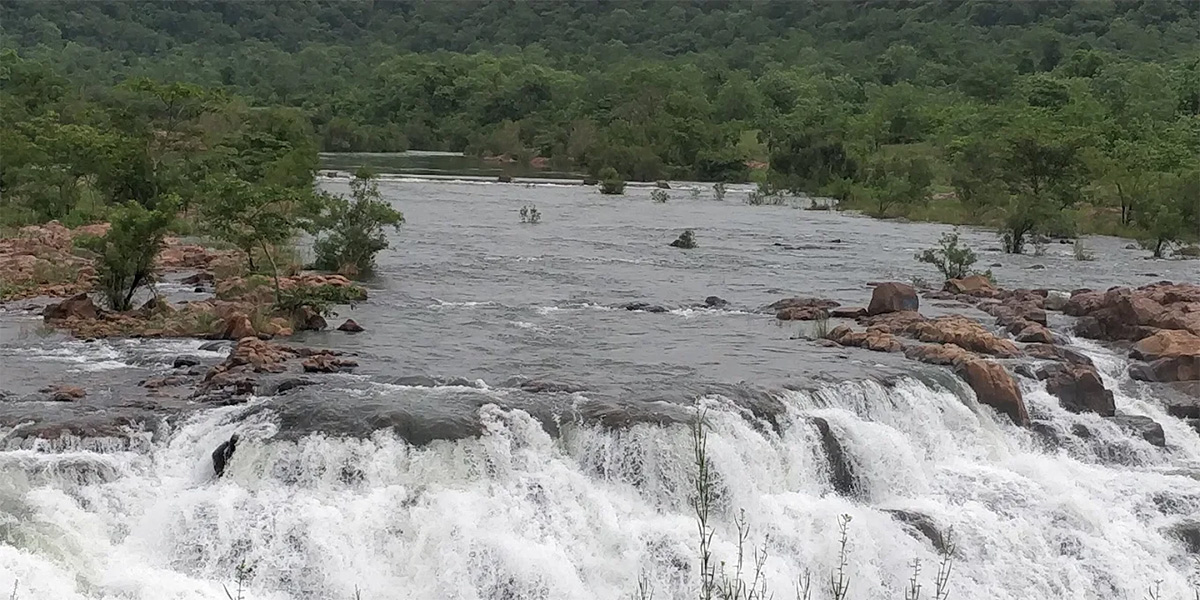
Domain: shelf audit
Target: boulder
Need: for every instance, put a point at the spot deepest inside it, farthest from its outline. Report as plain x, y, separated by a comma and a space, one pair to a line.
871, 339
923, 524
1143, 427
643, 307
306, 318
802, 313
1035, 333
1189, 533
938, 354
63, 393
893, 297
1058, 353
350, 326
1167, 343
79, 306
848, 312
787, 303
327, 363
969, 285
199, 278
662, 185
182, 362
1056, 300
716, 302
963, 332
995, 387
1178, 368
1080, 390
237, 326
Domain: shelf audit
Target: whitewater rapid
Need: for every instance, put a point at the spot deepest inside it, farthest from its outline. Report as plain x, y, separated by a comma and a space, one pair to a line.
518, 513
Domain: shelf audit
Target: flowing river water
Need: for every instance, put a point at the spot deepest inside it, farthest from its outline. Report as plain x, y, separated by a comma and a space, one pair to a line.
513, 433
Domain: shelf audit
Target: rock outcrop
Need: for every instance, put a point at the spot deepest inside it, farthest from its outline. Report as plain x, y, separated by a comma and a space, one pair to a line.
995, 387
1123, 313
892, 297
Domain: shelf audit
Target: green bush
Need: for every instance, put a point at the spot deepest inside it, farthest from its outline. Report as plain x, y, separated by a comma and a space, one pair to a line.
352, 228
125, 255
660, 196
952, 260
611, 182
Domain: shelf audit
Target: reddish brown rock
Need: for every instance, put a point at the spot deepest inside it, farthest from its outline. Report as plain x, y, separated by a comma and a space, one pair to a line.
848, 312
1033, 332
1079, 389
963, 332
237, 326
1167, 343
871, 339
327, 363
938, 354
79, 306
798, 302
969, 285
1177, 368
802, 313
1058, 353
995, 387
63, 393
892, 297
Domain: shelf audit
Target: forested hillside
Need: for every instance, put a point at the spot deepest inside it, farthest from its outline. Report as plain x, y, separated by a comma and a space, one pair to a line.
881, 103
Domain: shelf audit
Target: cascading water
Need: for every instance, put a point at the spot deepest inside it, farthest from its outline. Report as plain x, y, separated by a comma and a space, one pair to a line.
517, 513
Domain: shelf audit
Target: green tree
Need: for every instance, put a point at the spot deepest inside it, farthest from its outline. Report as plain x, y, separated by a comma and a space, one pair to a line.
897, 181
1174, 214
126, 254
352, 229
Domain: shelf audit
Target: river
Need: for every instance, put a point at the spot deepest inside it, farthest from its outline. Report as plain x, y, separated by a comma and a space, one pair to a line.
514, 433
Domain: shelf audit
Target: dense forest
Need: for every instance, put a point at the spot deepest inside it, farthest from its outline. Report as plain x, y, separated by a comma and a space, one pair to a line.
1033, 116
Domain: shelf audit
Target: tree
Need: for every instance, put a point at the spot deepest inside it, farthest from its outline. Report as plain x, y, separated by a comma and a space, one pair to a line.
611, 182
1174, 214
126, 254
950, 259
897, 181
1044, 172
352, 229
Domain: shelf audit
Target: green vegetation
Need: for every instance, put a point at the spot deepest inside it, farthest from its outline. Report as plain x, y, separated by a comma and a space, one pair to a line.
353, 228
611, 182
686, 240
125, 255
1048, 118
660, 196
950, 259
531, 215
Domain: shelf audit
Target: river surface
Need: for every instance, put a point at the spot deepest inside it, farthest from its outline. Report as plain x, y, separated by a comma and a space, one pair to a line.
514, 433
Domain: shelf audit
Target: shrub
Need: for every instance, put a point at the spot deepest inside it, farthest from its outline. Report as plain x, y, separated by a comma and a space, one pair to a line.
765, 195
611, 182
686, 240
319, 298
660, 196
719, 191
952, 260
531, 215
125, 255
353, 228
1081, 251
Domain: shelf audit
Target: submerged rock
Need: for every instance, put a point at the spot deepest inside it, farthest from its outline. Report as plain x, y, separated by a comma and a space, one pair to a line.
802, 313
63, 393
327, 363
848, 312
716, 302
350, 326
923, 524
643, 307
1143, 427
182, 362
221, 456
841, 470
893, 297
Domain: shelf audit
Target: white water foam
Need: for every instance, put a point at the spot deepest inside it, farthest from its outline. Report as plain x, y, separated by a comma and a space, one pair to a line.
519, 514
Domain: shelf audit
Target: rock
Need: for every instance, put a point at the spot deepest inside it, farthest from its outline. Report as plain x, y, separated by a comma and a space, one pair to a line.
221, 456
198, 279
158, 382
216, 346
841, 470
1167, 343
1081, 431
995, 387
237, 326
643, 307
798, 302
893, 297
182, 362
963, 332
1183, 406
1080, 390
716, 302
662, 185
63, 393
1048, 434
871, 339
590, 181
1059, 353
848, 312
1178, 368
79, 306
1056, 300
969, 284
922, 524
1143, 427
276, 387
505, 179
350, 326
327, 363
802, 313
1035, 333
1189, 533
938, 354
306, 318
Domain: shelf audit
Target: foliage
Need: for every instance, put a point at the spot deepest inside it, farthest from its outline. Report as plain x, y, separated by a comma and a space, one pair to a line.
686, 240
1175, 217
949, 258
611, 182
719, 191
1081, 252
352, 229
126, 254
531, 215
897, 181
318, 298
765, 195
660, 196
